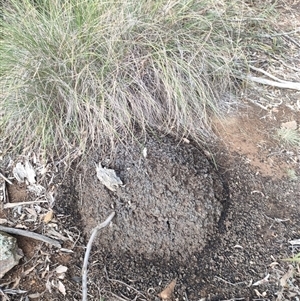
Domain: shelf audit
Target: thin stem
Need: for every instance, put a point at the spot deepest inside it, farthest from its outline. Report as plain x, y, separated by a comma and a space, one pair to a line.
87, 254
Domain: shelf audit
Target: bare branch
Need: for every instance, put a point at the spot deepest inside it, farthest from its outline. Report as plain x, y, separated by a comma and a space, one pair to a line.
87, 254
30, 234
5, 178
267, 74
12, 205
282, 84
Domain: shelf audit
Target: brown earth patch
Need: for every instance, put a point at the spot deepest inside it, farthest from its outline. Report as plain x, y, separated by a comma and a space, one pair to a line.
17, 192
253, 136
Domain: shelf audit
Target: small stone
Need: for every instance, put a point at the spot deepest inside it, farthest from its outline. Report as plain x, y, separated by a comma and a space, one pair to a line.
290, 125
10, 254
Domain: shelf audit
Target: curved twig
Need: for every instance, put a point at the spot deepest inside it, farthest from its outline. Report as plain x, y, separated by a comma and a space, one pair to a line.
267, 74
5, 178
31, 235
87, 254
12, 205
275, 82
281, 84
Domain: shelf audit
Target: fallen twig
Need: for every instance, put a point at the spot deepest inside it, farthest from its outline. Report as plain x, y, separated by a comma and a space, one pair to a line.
277, 81
282, 62
6, 179
118, 297
128, 286
292, 41
237, 283
11, 205
87, 254
267, 74
258, 104
31, 235
282, 84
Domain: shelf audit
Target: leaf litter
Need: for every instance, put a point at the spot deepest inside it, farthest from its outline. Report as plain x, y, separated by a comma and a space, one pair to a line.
168, 292
30, 215
108, 177
22, 172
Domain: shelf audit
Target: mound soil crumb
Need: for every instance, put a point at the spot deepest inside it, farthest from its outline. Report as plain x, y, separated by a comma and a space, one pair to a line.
169, 205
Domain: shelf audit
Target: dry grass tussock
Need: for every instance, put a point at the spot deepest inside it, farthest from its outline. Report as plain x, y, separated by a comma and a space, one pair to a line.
291, 137
85, 73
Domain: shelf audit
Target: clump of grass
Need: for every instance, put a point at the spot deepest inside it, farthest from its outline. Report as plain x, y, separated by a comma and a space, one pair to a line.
290, 137
85, 73
295, 258
291, 173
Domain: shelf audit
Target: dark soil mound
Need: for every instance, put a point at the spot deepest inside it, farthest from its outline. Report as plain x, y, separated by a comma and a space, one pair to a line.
169, 205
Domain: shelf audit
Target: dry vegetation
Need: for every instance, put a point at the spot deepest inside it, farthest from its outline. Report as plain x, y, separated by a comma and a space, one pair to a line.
81, 74
78, 74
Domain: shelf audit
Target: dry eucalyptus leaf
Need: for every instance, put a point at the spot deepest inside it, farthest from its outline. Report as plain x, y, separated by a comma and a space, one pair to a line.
21, 226
108, 177
21, 172
36, 189
61, 276
262, 281
16, 282
48, 216
34, 296
61, 269
51, 196
45, 272
61, 287
66, 250
29, 271
286, 276
273, 264
31, 211
58, 285
44, 170
258, 294
167, 293
49, 286
30, 172
56, 235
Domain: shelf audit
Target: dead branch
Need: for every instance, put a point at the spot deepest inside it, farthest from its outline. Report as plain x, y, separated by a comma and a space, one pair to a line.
266, 73
32, 235
5, 178
281, 84
12, 205
282, 62
292, 41
87, 254
128, 286
276, 83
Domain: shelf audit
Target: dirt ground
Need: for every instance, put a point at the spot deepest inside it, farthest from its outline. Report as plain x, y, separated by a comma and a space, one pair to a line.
157, 235
218, 218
